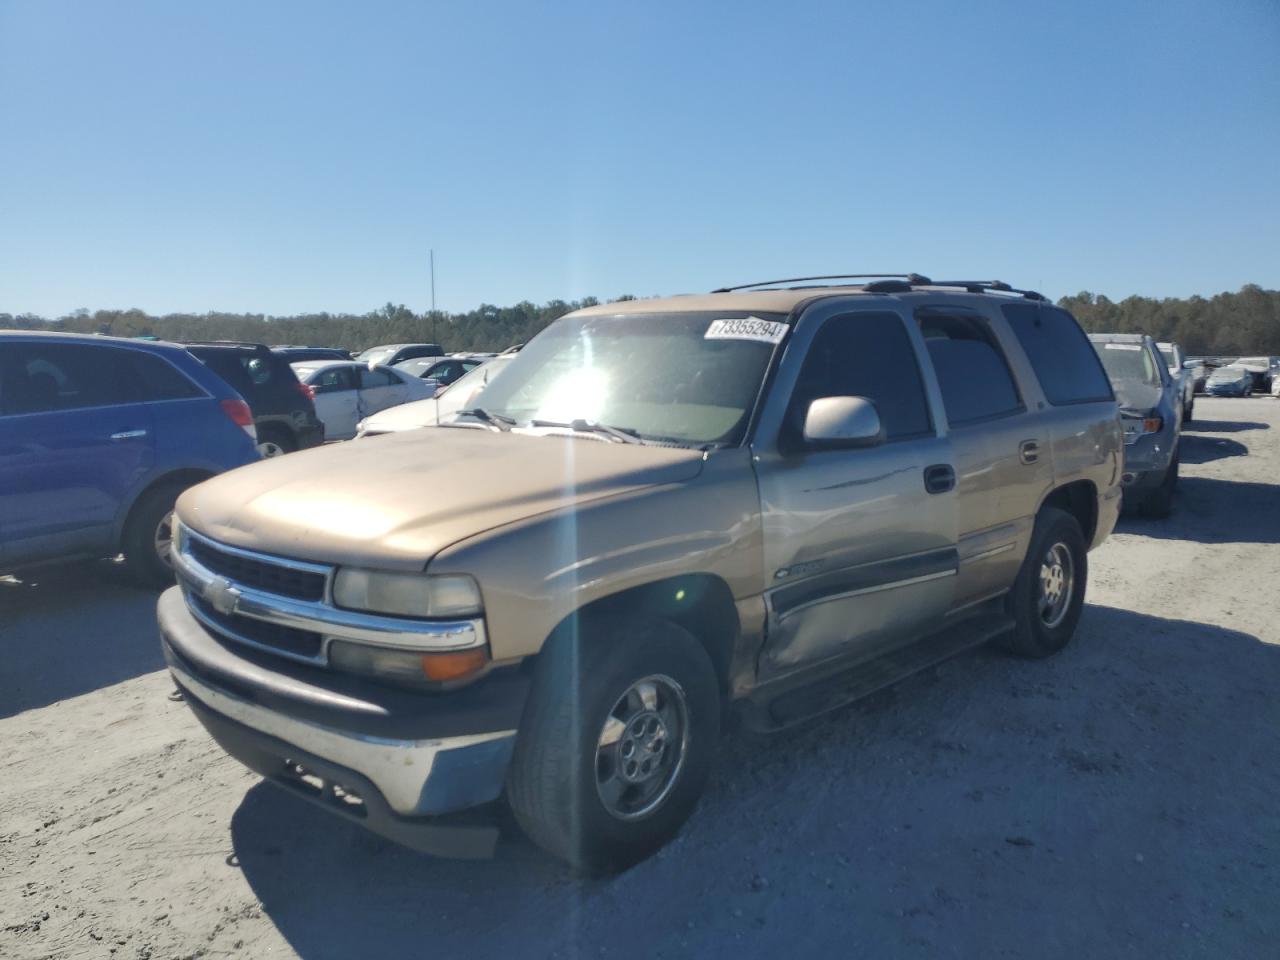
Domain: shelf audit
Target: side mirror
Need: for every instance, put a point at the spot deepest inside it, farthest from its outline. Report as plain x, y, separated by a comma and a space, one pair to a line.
843, 422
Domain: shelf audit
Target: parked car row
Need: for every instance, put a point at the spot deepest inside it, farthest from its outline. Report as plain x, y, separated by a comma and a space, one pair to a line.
99, 435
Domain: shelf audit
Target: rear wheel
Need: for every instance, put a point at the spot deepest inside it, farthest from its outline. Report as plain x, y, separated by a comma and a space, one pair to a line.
1159, 502
148, 536
275, 442
616, 742
1048, 594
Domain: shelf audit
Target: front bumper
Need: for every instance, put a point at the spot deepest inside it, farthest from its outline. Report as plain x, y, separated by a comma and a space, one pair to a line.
1225, 391
394, 760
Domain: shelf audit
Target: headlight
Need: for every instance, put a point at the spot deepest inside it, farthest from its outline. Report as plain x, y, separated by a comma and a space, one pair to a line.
406, 594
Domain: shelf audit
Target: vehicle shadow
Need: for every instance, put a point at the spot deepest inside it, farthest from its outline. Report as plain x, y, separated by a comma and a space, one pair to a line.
1223, 426
1089, 803
69, 629
1199, 514
1194, 449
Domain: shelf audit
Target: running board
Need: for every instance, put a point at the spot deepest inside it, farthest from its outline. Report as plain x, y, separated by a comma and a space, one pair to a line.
767, 709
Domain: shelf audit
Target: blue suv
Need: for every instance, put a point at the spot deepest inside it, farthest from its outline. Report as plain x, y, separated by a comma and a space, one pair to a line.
98, 436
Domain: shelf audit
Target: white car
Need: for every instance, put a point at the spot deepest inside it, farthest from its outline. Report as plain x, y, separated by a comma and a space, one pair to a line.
427, 413
347, 391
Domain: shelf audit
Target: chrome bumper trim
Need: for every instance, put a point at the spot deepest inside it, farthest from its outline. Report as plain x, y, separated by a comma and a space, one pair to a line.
400, 769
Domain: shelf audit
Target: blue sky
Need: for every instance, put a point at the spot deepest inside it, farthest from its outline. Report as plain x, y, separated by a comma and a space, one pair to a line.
287, 157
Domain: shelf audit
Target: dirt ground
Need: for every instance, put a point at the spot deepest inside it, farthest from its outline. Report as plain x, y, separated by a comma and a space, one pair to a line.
1118, 800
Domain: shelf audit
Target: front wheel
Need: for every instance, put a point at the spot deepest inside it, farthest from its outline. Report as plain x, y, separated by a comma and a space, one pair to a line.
1048, 594
616, 742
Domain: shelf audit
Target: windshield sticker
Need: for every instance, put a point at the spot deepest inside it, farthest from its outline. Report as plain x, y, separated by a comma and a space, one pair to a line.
1123, 346
748, 328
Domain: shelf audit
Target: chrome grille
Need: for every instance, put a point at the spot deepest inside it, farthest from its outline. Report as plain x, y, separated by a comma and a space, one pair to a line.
277, 578
299, 643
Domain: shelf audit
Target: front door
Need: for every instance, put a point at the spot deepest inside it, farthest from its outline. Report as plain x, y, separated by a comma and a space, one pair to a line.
859, 544
74, 443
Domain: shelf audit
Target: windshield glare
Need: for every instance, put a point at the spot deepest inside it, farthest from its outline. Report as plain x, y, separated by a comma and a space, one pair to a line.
660, 376
373, 356
1128, 361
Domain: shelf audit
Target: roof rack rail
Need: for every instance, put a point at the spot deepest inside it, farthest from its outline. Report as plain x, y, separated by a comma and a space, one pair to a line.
909, 277
982, 286
222, 343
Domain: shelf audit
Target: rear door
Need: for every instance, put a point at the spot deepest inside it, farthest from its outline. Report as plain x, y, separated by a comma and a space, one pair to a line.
75, 441
1000, 449
859, 544
337, 401
379, 389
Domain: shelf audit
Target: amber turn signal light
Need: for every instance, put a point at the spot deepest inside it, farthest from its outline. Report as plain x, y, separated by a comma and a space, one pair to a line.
452, 666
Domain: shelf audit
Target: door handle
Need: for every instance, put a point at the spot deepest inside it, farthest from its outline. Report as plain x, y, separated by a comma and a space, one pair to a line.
939, 478
1029, 451
128, 434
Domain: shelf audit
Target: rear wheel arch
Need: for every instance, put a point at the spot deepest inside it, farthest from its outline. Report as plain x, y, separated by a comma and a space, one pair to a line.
183, 478
1079, 498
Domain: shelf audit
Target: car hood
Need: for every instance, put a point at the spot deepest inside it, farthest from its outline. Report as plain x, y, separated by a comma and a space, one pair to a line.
397, 500
1137, 396
1233, 376
406, 416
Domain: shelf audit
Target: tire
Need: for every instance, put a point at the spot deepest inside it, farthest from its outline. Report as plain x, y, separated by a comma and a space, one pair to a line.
582, 681
275, 442
145, 553
1189, 415
1159, 502
1035, 634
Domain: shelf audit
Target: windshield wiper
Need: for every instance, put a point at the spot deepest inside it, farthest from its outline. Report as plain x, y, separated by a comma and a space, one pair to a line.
495, 419
622, 434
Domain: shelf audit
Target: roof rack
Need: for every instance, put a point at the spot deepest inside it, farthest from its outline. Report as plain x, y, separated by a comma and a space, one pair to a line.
909, 277
982, 286
223, 343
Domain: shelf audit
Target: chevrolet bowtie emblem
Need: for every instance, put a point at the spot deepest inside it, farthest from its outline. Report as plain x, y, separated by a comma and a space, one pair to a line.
221, 595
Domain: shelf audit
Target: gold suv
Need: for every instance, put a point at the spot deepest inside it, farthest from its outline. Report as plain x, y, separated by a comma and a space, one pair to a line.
665, 516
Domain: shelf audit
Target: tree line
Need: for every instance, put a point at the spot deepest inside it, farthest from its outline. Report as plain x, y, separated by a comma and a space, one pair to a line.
1241, 323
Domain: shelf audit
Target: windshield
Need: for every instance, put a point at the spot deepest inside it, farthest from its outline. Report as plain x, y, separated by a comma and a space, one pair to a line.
376, 355
1169, 359
1228, 373
688, 378
1128, 361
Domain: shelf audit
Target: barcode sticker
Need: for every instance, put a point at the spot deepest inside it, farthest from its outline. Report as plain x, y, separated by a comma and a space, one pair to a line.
748, 328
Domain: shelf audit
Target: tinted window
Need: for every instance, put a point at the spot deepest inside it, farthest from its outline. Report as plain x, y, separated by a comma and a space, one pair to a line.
158, 379
63, 376
333, 380
377, 378
864, 355
972, 373
1060, 353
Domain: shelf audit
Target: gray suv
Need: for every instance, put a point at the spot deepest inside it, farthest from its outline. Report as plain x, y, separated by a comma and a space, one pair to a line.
1151, 409
664, 517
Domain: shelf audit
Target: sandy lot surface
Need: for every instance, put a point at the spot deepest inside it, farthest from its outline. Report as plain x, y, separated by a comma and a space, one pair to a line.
1118, 800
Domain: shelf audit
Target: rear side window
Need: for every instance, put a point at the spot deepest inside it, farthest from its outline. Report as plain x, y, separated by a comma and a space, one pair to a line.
864, 355
44, 377
377, 378
972, 371
158, 379
1060, 353
333, 380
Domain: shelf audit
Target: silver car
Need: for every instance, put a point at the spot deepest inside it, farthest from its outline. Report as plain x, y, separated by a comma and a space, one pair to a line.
1151, 411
